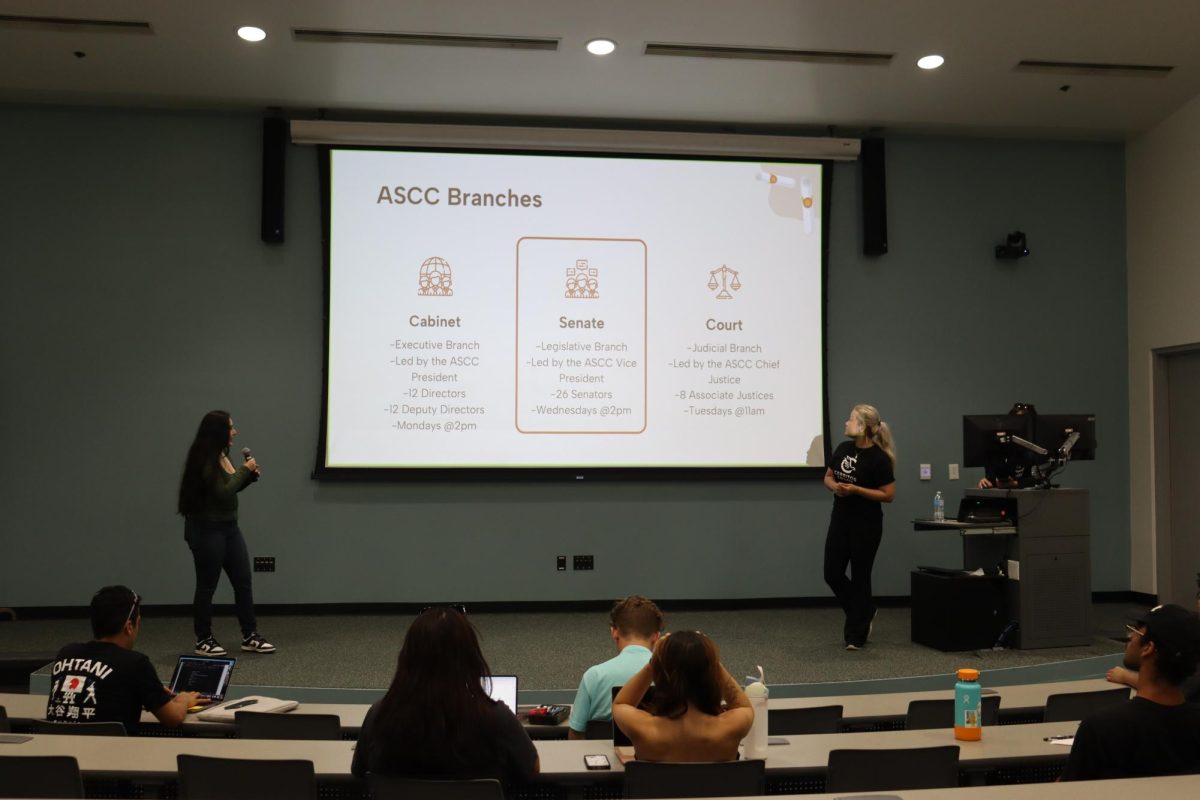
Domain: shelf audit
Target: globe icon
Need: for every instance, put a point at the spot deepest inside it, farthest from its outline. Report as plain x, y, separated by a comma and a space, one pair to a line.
435, 277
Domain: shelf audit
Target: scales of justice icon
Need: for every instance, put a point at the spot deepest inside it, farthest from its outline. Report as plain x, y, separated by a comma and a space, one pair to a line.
725, 279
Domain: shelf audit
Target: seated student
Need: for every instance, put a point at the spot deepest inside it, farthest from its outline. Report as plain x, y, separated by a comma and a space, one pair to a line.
105, 680
436, 720
687, 721
1157, 732
634, 625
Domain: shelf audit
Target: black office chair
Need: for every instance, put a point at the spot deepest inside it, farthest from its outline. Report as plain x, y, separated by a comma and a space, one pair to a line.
599, 729
1071, 706
704, 779
930, 714
798, 721
40, 776
259, 725
204, 778
5, 725
79, 728
899, 769
387, 787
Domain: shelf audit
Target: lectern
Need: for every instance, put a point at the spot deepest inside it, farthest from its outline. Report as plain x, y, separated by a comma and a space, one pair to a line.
1039, 539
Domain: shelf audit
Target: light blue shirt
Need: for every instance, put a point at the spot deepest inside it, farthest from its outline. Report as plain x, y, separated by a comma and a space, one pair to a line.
594, 698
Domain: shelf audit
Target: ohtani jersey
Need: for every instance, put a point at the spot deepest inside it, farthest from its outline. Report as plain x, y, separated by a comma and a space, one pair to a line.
103, 682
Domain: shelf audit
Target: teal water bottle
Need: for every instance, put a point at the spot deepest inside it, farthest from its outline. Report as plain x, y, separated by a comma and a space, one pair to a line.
968, 709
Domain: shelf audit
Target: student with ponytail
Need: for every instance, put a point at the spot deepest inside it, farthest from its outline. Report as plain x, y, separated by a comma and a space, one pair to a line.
861, 476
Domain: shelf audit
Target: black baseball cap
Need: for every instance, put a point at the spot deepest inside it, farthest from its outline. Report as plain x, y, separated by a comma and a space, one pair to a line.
1173, 629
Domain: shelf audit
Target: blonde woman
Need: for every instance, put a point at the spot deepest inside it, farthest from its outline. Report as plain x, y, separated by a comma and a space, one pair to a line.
861, 476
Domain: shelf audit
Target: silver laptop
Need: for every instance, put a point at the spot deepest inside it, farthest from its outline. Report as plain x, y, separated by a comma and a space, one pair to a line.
205, 675
502, 688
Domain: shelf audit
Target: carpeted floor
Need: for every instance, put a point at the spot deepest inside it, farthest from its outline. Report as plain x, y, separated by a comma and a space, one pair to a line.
549, 650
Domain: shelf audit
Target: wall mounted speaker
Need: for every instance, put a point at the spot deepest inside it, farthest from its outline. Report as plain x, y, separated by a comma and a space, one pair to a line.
874, 197
274, 162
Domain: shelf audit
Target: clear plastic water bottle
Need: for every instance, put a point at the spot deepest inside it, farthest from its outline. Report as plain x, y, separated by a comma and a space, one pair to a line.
939, 508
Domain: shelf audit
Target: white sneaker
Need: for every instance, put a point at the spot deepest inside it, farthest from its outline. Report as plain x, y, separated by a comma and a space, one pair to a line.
255, 643
209, 647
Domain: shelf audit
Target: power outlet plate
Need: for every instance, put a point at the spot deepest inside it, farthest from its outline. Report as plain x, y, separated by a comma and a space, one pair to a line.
954, 472
264, 563
585, 562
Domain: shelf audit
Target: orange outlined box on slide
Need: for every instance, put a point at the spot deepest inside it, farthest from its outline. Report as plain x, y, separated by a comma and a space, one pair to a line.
581, 341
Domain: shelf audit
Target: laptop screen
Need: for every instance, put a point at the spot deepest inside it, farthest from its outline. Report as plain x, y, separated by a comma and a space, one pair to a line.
208, 676
504, 689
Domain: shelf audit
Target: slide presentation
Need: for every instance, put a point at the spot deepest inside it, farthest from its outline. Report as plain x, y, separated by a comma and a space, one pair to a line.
560, 311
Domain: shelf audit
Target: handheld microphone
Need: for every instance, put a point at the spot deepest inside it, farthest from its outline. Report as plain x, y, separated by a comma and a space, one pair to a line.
246, 454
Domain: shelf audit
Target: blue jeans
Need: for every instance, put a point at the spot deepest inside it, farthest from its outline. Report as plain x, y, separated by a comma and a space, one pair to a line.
216, 546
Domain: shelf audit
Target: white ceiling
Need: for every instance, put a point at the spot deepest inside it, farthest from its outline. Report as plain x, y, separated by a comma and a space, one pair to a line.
193, 60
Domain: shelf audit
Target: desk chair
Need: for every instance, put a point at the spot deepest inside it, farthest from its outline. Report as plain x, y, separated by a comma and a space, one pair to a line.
883, 770
40, 776
79, 728
389, 787
204, 778
599, 729
703, 779
259, 725
5, 725
822, 719
932, 714
1071, 706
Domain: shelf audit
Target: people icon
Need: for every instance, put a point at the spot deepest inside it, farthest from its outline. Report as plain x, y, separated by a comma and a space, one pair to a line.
435, 279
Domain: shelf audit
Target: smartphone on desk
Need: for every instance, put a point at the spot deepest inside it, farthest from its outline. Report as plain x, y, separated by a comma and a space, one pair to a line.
596, 761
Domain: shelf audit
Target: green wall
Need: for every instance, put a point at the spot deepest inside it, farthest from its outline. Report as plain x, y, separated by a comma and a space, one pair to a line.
137, 296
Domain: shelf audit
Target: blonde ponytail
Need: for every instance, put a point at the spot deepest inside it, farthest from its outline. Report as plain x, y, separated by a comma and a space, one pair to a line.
876, 429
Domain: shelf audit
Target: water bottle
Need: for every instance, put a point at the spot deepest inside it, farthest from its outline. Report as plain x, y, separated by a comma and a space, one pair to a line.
756, 740
939, 508
968, 708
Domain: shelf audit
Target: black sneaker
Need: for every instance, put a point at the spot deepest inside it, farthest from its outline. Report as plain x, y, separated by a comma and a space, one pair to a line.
209, 647
255, 643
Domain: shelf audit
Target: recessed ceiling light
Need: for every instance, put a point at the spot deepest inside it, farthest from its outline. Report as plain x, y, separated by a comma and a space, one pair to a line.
930, 62
601, 47
251, 33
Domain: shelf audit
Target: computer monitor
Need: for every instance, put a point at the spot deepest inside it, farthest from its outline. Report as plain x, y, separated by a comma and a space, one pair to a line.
1054, 429
986, 438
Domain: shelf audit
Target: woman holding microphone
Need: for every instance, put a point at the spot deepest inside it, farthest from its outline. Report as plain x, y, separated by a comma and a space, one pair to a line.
861, 476
208, 500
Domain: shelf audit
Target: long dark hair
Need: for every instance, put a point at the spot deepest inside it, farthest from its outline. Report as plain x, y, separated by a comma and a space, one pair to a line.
211, 442
436, 718
686, 669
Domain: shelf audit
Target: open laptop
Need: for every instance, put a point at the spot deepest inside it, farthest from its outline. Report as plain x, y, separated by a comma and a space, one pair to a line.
504, 689
206, 675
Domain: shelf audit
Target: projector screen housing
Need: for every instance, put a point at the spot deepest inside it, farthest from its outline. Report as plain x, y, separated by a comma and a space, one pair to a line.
531, 314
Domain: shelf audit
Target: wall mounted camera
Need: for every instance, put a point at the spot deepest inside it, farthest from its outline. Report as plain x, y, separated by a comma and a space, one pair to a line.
1014, 247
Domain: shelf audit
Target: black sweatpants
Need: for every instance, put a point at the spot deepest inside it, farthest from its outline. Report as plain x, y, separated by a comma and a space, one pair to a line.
854, 544
216, 546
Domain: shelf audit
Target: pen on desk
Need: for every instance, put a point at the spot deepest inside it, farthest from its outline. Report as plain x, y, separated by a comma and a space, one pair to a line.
1058, 738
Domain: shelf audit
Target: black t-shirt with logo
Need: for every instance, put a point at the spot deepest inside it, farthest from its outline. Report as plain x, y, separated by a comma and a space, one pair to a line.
1137, 739
103, 682
867, 467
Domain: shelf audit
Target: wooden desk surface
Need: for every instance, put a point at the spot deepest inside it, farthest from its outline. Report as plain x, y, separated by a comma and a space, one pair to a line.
154, 757
891, 705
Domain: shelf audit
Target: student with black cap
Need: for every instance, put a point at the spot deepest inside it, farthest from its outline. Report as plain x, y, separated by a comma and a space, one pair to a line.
1158, 731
